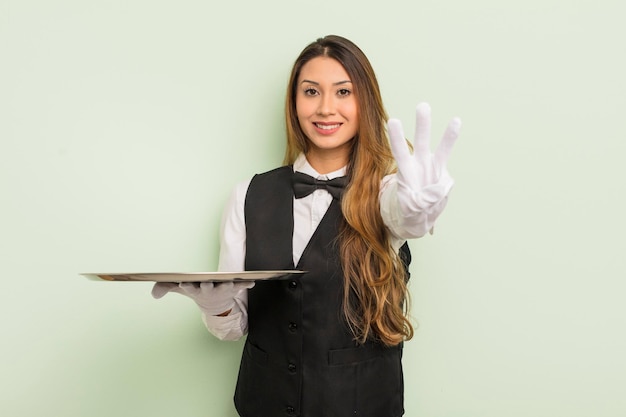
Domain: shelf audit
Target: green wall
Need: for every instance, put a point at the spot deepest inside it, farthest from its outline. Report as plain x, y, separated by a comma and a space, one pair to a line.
125, 124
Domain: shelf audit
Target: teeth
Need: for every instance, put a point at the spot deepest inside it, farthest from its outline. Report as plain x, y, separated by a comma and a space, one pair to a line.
327, 127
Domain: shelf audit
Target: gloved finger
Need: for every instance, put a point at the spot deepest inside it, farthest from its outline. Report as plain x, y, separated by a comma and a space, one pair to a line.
407, 169
444, 149
243, 285
190, 289
421, 143
399, 145
161, 288
223, 289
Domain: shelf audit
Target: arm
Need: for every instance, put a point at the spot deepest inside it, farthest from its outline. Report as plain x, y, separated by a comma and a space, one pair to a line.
234, 324
224, 305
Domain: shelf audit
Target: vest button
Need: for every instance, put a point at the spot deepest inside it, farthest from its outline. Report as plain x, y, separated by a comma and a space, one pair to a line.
291, 410
293, 326
293, 285
291, 367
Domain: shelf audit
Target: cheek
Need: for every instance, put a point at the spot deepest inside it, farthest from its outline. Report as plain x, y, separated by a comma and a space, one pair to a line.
303, 108
300, 113
350, 109
355, 111
304, 124
304, 119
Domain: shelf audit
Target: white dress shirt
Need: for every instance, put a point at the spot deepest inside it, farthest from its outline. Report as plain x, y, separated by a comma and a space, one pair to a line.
308, 212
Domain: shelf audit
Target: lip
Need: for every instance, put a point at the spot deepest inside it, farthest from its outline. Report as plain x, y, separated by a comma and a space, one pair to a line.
326, 128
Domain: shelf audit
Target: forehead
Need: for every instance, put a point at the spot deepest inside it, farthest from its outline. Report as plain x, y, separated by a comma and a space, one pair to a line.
322, 68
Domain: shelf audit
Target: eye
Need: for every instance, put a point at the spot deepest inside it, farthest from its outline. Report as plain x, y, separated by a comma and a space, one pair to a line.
310, 91
344, 92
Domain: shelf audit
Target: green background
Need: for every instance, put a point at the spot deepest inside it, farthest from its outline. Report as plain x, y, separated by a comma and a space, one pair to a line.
125, 124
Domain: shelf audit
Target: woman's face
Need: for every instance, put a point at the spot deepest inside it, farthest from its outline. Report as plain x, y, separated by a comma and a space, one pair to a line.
326, 109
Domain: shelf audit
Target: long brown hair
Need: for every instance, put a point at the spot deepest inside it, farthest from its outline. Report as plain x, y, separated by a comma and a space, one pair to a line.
375, 292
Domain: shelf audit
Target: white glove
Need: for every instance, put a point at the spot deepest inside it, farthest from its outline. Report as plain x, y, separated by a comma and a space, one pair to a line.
423, 179
213, 299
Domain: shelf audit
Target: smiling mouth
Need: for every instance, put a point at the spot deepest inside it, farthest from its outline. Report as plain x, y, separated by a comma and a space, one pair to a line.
327, 126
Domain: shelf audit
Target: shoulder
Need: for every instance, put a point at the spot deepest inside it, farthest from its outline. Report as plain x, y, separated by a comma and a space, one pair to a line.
238, 195
240, 190
283, 171
242, 187
276, 178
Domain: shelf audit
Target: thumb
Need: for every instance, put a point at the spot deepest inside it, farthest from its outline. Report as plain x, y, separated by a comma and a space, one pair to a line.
243, 285
161, 288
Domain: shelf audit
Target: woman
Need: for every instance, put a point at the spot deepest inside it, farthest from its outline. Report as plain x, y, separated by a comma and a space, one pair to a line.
328, 343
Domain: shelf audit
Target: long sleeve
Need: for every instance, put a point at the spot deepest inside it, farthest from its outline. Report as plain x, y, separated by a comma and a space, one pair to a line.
232, 255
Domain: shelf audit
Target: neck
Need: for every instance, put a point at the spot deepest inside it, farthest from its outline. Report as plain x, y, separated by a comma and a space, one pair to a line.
324, 163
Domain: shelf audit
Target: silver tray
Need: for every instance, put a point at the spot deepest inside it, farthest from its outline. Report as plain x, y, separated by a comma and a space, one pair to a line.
193, 276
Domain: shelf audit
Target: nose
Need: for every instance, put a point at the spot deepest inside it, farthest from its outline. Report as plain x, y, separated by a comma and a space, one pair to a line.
326, 105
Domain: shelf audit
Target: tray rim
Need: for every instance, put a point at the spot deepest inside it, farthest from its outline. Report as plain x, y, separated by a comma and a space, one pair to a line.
192, 276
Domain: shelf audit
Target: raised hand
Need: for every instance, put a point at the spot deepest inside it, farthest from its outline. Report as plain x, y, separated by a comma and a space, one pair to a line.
423, 178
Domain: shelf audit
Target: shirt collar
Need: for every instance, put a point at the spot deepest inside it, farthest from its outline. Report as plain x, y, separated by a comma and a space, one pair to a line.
302, 165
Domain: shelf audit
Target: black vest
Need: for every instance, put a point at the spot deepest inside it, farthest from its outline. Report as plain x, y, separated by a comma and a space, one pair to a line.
300, 358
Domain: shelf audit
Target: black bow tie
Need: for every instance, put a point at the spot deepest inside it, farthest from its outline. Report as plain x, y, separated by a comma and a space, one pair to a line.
304, 185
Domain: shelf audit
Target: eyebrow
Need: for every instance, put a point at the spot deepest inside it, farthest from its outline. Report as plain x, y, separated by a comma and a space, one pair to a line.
316, 83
